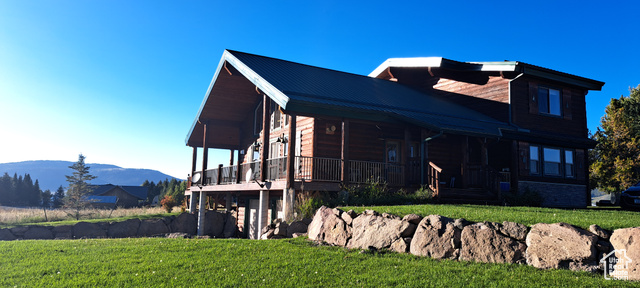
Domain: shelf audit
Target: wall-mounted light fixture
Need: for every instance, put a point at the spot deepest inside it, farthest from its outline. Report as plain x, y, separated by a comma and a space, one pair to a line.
282, 139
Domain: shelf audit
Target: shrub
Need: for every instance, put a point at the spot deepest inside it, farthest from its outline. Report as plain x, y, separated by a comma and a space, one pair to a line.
167, 203
306, 204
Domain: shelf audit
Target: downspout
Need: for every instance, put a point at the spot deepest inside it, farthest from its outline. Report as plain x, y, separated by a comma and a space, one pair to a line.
423, 152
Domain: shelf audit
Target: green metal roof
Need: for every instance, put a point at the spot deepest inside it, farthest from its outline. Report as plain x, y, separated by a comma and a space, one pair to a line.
308, 89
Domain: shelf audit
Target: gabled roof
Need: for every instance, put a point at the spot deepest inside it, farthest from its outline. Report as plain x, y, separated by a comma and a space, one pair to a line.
498, 66
308, 89
139, 192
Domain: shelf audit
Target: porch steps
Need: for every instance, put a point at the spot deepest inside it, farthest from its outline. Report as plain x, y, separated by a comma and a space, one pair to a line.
467, 196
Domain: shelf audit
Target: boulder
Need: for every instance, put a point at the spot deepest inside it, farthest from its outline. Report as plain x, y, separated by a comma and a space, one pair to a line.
268, 233
400, 245
460, 223
38, 232
152, 227
561, 245
214, 224
370, 230
296, 227
281, 229
482, 243
627, 241
230, 225
63, 232
514, 230
327, 226
19, 231
412, 218
124, 229
6, 235
88, 230
595, 229
184, 223
436, 237
347, 218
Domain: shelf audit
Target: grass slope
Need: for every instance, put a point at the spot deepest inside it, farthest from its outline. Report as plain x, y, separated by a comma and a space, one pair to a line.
158, 262
605, 218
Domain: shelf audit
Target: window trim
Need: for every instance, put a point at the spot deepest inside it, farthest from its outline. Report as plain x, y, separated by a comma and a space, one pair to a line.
563, 162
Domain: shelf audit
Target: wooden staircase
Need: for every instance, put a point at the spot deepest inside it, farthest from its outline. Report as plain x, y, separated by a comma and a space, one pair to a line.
476, 196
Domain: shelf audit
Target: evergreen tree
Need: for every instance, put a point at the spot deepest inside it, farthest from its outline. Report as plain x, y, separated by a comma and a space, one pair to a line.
35, 195
58, 197
5, 189
79, 189
46, 198
615, 161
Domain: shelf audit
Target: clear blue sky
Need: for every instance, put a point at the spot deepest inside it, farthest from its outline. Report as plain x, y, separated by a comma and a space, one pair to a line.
122, 81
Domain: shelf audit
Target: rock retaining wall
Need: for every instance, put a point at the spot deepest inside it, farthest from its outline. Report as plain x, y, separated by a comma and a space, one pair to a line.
218, 225
544, 246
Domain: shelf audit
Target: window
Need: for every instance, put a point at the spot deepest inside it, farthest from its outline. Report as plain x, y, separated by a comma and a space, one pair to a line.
534, 161
393, 152
549, 101
549, 161
276, 116
552, 162
257, 119
568, 164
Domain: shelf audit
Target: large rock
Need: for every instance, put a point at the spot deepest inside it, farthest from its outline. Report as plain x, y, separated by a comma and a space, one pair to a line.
38, 232
378, 231
6, 235
184, 223
561, 245
412, 218
327, 226
231, 225
19, 231
281, 229
296, 227
436, 237
595, 229
214, 224
152, 227
514, 230
63, 232
88, 230
124, 229
627, 241
481, 243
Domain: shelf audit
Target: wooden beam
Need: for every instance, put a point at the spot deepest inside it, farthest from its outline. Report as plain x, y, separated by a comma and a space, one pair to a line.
231, 157
344, 151
194, 159
205, 151
266, 127
291, 151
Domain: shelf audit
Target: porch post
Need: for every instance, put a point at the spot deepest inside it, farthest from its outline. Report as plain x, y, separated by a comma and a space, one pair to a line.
344, 151
194, 159
205, 153
201, 211
192, 202
289, 193
266, 128
231, 158
240, 160
405, 158
263, 211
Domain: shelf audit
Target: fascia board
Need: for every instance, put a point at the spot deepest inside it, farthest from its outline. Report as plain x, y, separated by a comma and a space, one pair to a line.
414, 62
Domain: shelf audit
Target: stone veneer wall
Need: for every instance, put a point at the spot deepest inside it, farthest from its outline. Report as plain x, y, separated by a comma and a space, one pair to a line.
544, 246
557, 194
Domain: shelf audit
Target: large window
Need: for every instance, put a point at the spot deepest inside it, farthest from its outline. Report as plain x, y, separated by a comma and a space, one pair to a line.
549, 101
550, 161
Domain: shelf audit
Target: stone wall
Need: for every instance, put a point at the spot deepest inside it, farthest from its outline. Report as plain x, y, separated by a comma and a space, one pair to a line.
557, 194
217, 225
544, 246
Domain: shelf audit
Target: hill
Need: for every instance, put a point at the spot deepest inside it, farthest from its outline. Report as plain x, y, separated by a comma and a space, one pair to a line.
51, 174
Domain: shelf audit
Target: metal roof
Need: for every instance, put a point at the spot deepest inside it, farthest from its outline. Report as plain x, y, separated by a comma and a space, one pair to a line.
309, 89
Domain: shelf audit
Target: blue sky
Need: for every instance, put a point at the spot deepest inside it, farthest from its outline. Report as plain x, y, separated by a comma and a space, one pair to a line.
122, 81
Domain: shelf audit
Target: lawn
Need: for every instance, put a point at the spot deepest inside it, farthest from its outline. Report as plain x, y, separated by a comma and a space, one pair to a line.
158, 262
605, 218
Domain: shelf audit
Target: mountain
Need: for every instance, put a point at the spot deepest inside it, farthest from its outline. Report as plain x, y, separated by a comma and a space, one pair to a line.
51, 174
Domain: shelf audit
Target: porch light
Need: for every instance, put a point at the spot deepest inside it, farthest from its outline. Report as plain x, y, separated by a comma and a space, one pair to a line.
256, 146
282, 139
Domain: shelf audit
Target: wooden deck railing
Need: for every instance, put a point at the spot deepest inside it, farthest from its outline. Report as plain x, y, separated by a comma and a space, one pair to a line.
365, 171
433, 175
317, 168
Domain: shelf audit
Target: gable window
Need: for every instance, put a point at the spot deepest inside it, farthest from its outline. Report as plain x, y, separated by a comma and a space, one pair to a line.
534, 159
276, 116
549, 101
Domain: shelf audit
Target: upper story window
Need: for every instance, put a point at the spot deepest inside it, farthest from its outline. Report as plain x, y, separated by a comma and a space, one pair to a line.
549, 161
549, 101
276, 116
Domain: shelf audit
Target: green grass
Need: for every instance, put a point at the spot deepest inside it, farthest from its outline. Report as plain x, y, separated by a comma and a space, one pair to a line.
605, 218
158, 262
72, 222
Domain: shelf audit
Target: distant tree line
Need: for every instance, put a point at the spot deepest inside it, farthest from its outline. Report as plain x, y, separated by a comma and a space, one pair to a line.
167, 187
23, 191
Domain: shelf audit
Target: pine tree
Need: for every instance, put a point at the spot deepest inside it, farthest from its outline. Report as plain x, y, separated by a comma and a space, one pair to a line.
5, 189
79, 189
58, 197
46, 197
